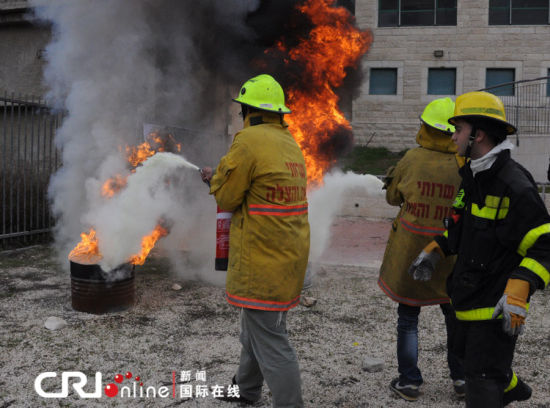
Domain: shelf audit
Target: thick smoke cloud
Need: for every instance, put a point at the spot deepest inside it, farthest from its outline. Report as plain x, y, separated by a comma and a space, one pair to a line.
115, 65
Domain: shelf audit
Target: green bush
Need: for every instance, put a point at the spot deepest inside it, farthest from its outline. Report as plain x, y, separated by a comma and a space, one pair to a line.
370, 160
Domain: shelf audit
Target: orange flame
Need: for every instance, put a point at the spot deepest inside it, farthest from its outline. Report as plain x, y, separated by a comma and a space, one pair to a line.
155, 143
87, 250
113, 186
333, 45
147, 244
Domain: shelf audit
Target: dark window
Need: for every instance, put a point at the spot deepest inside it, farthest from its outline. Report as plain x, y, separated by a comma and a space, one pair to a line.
349, 4
497, 76
518, 12
383, 81
548, 84
388, 13
393, 13
441, 81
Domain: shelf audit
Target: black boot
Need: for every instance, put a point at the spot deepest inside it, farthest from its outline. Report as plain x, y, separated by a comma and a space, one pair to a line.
230, 398
521, 392
482, 393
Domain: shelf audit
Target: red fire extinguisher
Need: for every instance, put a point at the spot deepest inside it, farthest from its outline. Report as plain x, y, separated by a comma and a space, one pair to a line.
223, 224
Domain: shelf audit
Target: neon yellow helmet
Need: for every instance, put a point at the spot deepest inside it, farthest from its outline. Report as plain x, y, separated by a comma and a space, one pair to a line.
437, 113
481, 105
264, 93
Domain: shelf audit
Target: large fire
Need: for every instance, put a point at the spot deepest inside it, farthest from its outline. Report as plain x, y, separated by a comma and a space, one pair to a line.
87, 250
333, 45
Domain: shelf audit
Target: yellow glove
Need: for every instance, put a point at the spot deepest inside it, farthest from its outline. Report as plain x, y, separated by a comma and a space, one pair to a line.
513, 306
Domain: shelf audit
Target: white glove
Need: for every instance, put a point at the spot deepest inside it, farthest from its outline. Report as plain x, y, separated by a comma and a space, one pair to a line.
423, 266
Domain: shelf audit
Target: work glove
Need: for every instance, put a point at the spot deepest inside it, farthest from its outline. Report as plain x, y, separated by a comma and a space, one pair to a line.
423, 266
513, 306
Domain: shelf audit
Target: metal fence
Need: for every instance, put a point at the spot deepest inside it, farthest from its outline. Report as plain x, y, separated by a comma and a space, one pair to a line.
27, 159
527, 105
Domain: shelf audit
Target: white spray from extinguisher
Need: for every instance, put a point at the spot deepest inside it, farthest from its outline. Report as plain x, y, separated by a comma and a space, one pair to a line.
223, 225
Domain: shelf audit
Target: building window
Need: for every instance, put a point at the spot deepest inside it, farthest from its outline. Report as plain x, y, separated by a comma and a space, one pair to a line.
519, 12
441, 81
548, 82
383, 81
498, 76
393, 13
349, 4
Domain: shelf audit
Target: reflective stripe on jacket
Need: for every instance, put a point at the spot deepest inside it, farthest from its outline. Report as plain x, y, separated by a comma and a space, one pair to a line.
424, 182
503, 232
262, 179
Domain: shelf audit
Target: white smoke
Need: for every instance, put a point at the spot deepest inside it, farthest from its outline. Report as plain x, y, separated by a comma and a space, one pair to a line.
326, 202
114, 65
146, 200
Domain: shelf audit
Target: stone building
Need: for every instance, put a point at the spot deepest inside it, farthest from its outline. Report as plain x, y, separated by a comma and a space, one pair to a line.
22, 44
427, 49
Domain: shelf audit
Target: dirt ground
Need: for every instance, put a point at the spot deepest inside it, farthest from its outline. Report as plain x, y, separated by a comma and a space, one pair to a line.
193, 331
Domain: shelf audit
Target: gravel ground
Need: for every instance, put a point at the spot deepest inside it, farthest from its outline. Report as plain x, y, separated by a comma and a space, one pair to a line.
195, 330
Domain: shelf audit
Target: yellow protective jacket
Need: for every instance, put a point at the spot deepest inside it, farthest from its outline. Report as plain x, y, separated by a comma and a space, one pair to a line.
262, 179
424, 183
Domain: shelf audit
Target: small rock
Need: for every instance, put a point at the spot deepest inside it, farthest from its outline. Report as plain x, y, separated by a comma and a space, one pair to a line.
372, 364
54, 323
307, 301
175, 286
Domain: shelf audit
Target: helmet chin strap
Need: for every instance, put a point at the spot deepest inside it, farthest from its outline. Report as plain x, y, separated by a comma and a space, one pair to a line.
470, 142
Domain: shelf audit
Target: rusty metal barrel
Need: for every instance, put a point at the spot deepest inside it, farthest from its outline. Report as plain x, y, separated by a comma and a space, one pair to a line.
95, 291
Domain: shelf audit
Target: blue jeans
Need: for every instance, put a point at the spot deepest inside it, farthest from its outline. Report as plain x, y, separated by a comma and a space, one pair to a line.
407, 344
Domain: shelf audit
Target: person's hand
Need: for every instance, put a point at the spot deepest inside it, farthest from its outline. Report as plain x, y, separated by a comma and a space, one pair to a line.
513, 306
423, 266
206, 174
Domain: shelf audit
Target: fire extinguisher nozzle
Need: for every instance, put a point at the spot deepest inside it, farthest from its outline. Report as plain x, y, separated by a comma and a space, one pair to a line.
204, 179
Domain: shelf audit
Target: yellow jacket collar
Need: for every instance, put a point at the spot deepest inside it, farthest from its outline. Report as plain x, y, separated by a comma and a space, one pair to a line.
257, 118
433, 139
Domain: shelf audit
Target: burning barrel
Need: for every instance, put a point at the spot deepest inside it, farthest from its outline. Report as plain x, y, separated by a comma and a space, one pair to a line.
94, 290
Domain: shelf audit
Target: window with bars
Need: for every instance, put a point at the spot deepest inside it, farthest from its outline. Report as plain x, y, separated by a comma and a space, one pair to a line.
518, 12
395, 13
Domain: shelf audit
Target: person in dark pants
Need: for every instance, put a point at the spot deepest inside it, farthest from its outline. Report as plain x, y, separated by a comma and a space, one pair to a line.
423, 183
500, 231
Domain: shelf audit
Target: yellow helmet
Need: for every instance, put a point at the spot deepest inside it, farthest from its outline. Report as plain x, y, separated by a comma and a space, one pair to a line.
437, 113
264, 93
484, 105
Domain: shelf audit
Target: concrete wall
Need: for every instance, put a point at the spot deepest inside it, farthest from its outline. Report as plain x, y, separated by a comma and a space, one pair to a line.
21, 50
471, 46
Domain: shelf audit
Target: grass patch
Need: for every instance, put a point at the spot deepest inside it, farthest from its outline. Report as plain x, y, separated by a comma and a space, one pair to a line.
370, 160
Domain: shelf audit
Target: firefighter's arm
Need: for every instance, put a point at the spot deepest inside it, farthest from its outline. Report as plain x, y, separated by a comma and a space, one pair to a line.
532, 222
391, 183
533, 227
233, 177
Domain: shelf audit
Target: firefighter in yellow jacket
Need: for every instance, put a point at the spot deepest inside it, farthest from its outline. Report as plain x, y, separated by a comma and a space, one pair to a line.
424, 183
262, 180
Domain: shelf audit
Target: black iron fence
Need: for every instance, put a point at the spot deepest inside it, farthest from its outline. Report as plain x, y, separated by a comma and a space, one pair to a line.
527, 105
27, 159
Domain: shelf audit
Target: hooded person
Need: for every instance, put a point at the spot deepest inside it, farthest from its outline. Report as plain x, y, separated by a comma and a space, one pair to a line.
423, 183
262, 180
